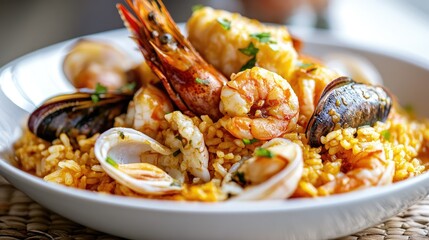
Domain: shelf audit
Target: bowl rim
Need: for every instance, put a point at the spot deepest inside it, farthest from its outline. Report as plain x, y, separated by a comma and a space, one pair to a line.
239, 207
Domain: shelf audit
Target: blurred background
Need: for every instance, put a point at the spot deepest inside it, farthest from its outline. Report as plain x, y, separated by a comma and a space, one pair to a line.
396, 25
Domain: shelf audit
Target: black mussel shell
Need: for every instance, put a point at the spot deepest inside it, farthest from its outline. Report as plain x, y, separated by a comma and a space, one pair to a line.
346, 103
80, 113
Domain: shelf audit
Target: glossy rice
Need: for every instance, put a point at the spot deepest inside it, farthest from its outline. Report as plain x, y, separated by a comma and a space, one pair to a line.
74, 164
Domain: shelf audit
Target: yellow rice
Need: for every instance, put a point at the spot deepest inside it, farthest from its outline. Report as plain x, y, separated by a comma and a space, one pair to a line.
405, 142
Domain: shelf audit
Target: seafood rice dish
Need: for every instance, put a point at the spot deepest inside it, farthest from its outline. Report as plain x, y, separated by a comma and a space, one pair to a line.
234, 111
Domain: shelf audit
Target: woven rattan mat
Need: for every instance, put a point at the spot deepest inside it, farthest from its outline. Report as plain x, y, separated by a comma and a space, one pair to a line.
22, 218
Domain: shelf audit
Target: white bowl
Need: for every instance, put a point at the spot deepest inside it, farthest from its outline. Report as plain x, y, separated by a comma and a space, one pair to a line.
29, 80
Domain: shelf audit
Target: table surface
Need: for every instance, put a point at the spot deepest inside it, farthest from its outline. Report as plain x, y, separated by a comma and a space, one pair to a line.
22, 218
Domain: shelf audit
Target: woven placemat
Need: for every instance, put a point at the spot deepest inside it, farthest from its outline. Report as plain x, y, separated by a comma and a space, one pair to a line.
22, 218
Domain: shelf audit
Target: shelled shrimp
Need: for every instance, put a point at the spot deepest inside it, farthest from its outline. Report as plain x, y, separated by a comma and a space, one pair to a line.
368, 168
258, 104
148, 109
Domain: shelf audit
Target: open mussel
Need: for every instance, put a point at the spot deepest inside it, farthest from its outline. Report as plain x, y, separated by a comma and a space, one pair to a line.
346, 103
81, 113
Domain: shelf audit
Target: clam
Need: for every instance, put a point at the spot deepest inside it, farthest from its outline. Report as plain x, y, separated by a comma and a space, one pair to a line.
346, 103
81, 113
273, 173
124, 154
92, 62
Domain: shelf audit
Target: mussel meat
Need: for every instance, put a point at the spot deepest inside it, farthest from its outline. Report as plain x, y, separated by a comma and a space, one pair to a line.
77, 113
346, 103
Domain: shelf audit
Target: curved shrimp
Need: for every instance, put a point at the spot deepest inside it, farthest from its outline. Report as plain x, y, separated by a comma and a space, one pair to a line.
187, 138
367, 168
258, 104
148, 109
230, 41
193, 84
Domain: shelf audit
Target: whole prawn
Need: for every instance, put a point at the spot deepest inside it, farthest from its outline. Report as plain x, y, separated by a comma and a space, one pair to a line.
192, 83
258, 104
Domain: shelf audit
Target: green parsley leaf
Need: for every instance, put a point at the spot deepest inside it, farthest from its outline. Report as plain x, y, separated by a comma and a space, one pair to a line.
175, 183
202, 81
263, 152
249, 141
176, 153
112, 162
239, 177
262, 37
129, 87
95, 98
100, 89
386, 135
225, 23
249, 64
306, 65
121, 135
250, 50
197, 7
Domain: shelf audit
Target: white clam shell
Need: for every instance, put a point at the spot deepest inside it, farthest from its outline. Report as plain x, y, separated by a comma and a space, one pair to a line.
284, 183
125, 146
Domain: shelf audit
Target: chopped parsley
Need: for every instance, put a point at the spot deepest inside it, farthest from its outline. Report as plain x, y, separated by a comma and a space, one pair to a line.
95, 98
306, 65
225, 23
249, 64
197, 7
249, 141
176, 153
309, 67
202, 81
239, 177
250, 50
129, 87
386, 135
263, 152
99, 89
121, 135
263, 37
112, 162
175, 183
